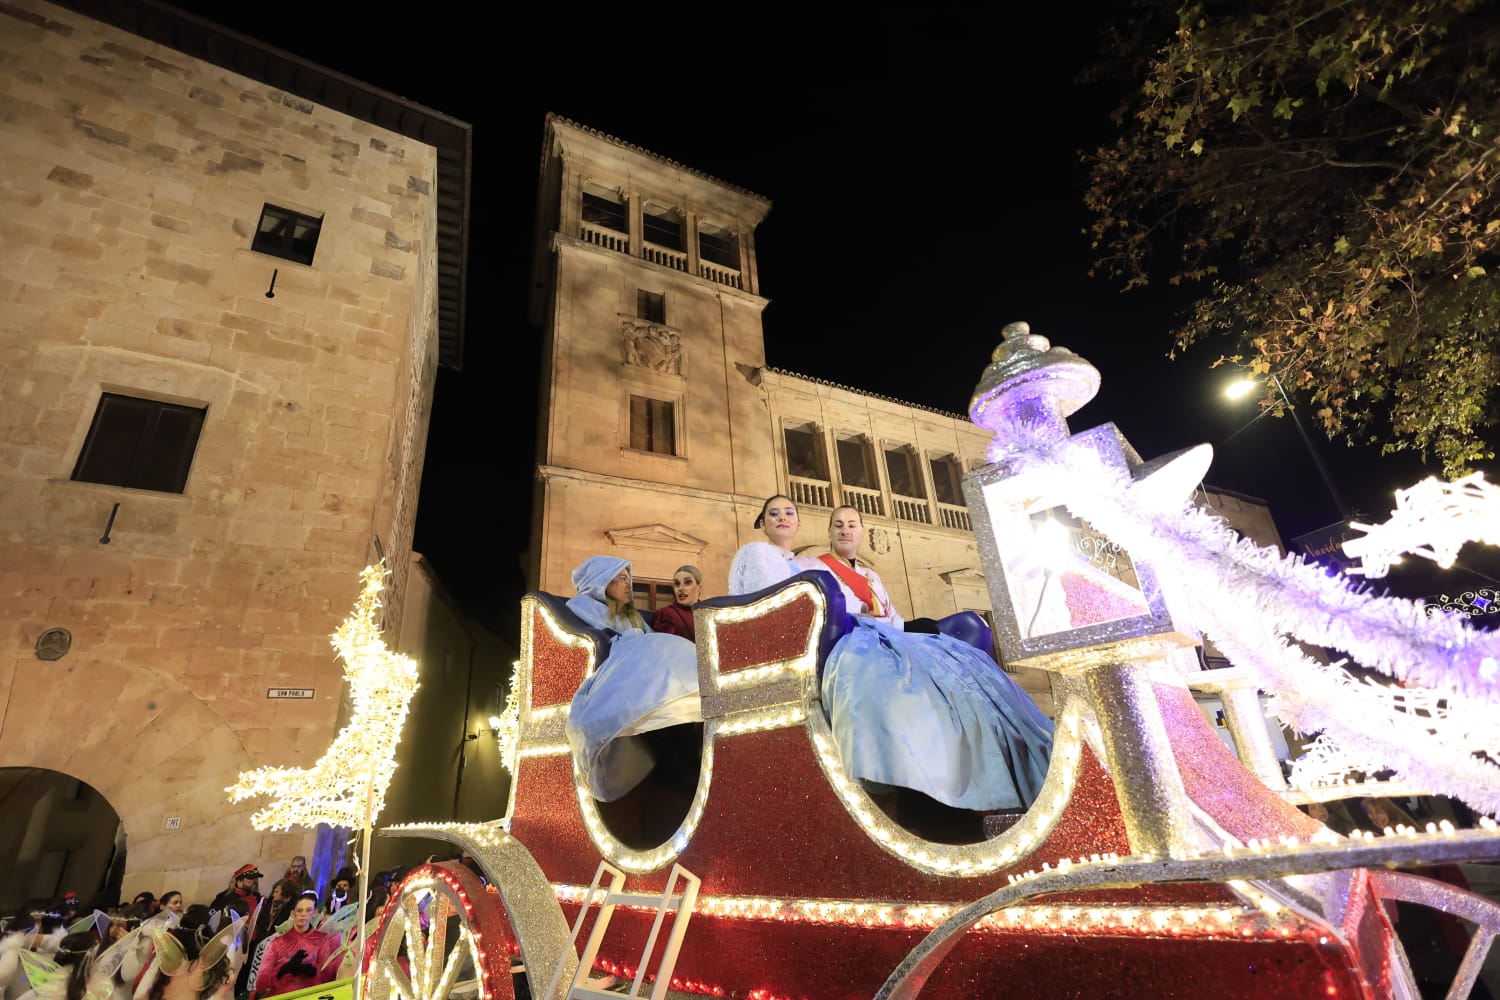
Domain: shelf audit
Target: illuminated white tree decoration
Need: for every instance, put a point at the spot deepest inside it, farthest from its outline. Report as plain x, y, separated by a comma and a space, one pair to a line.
347, 785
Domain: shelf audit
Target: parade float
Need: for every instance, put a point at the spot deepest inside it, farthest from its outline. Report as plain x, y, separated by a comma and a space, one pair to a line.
1156, 862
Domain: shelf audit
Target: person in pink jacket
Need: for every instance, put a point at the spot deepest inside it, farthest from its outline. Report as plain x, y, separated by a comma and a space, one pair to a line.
298, 957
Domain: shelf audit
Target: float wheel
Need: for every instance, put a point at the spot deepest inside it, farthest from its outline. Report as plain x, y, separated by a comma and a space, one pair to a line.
443, 934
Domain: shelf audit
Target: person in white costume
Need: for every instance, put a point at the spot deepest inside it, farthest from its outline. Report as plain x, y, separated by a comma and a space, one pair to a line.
648, 681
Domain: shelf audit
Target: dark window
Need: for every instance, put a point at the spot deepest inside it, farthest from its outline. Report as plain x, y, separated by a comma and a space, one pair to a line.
140, 443
947, 479
719, 248
287, 234
652, 426
803, 456
855, 468
606, 212
662, 227
901, 467
649, 595
651, 306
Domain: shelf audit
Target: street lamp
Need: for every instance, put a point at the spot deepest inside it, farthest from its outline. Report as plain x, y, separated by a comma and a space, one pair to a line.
1245, 386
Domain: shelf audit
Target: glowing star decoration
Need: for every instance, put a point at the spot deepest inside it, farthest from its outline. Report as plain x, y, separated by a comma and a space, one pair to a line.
347, 786
1432, 519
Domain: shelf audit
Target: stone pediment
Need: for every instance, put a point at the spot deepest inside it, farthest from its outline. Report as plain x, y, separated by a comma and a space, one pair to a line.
655, 536
964, 576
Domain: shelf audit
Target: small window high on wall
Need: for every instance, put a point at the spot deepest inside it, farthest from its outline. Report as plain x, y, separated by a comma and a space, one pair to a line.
651, 306
142, 444
287, 234
653, 425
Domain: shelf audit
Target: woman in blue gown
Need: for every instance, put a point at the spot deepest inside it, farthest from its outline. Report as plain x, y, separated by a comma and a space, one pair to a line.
913, 710
648, 681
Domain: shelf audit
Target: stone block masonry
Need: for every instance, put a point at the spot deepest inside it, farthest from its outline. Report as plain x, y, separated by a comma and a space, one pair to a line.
134, 178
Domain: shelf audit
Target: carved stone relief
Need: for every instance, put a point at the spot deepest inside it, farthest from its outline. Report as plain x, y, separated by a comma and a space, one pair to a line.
880, 540
651, 346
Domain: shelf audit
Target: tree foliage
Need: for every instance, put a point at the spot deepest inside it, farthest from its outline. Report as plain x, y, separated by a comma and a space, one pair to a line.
1327, 171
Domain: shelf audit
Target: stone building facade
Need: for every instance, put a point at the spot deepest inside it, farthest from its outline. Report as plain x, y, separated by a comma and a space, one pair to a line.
222, 318
662, 426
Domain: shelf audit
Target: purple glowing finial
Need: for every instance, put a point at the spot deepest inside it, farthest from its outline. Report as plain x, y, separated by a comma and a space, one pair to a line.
1031, 387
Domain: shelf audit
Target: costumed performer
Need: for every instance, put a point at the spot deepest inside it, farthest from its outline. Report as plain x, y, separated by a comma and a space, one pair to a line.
648, 681
677, 618
299, 956
911, 710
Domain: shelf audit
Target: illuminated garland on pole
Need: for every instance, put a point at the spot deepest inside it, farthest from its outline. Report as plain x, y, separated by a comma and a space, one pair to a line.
347, 785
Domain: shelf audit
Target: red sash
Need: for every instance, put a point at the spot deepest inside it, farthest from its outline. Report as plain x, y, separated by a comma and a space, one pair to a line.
855, 582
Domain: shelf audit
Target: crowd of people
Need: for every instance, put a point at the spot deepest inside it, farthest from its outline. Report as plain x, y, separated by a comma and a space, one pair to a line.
268, 945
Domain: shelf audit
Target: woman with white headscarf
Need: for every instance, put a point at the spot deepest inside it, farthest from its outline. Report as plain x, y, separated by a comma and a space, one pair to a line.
648, 681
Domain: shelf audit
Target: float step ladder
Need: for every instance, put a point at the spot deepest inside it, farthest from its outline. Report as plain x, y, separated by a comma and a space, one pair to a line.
678, 903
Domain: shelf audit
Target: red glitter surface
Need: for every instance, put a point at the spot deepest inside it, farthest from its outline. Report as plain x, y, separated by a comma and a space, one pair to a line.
556, 670
1368, 925
748, 959
777, 635
774, 827
546, 819
1216, 780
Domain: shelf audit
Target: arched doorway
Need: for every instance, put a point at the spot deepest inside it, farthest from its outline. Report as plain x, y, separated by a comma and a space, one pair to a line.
57, 835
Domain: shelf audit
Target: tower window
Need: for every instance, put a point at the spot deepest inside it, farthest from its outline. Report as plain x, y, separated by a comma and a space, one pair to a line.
804, 457
901, 467
718, 246
947, 479
653, 425
140, 443
651, 306
855, 467
662, 226
287, 234
601, 210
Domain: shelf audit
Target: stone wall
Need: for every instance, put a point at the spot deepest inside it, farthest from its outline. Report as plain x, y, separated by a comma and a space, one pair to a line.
131, 181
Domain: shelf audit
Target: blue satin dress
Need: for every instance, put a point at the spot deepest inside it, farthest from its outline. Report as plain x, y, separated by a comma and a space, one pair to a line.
921, 711
648, 681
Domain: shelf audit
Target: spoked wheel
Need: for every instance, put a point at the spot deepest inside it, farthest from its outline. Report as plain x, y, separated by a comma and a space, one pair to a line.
444, 934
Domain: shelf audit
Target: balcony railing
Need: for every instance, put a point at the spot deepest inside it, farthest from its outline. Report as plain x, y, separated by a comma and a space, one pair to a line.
810, 492
910, 509
723, 275
865, 501
957, 518
675, 259
602, 236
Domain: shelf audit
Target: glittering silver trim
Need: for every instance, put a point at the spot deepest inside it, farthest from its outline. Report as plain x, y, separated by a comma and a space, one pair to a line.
530, 902
906, 982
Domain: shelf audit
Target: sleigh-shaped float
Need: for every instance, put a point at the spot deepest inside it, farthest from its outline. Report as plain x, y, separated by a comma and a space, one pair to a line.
1154, 862
808, 890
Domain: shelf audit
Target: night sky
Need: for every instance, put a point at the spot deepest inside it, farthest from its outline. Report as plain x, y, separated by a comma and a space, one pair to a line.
927, 188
